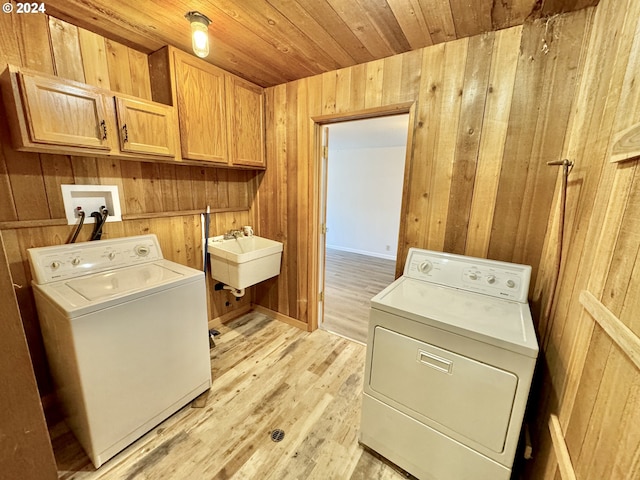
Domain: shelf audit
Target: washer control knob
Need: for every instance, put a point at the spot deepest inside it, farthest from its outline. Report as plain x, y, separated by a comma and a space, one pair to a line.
425, 267
473, 276
142, 250
112, 255
55, 265
511, 283
491, 279
75, 261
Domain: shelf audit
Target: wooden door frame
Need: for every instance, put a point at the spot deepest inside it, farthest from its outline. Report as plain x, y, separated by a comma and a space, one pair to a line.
317, 123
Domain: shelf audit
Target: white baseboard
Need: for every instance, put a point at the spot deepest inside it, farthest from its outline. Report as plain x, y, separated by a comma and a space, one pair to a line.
363, 252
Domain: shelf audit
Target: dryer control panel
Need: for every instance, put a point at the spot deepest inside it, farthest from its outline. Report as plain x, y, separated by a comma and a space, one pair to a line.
489, 277
58, 262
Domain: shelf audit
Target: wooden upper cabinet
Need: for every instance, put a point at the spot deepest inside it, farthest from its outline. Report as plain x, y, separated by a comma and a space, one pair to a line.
145, 127
245, 122
53, 115
221, 116
200, 94
58, 113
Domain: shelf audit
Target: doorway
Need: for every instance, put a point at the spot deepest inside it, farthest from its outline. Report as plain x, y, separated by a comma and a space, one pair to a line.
362, 199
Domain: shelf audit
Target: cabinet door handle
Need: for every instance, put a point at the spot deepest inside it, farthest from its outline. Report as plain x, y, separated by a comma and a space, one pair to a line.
103, 124
125, 133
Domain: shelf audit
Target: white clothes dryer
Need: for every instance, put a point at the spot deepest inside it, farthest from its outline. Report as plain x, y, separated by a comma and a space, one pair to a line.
126, 336
451, 351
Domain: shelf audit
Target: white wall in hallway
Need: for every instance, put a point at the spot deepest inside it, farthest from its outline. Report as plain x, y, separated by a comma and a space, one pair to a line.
364, 197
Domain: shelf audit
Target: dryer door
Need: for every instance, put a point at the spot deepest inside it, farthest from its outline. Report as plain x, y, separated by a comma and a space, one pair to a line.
465, 396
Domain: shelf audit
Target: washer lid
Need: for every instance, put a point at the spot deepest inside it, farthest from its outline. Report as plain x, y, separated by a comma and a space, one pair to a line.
80, 296
503, 323
117, 282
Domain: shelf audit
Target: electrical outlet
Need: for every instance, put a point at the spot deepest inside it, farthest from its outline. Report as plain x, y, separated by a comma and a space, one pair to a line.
90, 198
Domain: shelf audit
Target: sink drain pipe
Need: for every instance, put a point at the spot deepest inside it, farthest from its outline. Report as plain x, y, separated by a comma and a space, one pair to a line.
237, 292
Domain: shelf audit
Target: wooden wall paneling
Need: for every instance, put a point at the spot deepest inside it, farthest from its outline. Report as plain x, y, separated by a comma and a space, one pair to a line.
281, 178
391, 80
577, 351
26, 449
292, 208
303, 193
139, 72
474, 94
217, 192
603, 429
520, 135
590, 130
373, 88
185, 188
56, 171
119, 67
94, 59
27, 184
85, 170
446, 120
343, 88
9, 49
7, 205
66, 50
563, 37
198, 187
329, 92
133, 191
239, 183
410, 77
169, 187
504, 60
153, 195
560, 447
33, 36
110, 173
422, 152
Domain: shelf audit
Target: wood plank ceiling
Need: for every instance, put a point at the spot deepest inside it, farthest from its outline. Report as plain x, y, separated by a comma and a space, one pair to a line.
271, 42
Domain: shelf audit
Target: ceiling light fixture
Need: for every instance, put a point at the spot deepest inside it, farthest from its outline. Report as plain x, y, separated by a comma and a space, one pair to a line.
199, 33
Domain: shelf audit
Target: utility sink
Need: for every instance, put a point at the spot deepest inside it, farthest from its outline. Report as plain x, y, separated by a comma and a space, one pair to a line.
244, 261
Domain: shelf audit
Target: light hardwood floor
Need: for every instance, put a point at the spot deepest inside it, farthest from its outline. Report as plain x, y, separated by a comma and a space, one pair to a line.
266, 375
351, 280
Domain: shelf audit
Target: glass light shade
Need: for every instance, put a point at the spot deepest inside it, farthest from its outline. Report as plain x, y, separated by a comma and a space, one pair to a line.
200, 38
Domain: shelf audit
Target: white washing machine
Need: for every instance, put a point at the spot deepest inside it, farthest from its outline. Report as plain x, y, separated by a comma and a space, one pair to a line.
126, 337
450, 357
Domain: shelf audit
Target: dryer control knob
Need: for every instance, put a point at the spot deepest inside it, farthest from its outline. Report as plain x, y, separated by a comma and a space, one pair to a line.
142, 250
425, 267
112, 255
511, 283
54, 265
491, 279
75, 261
473, 276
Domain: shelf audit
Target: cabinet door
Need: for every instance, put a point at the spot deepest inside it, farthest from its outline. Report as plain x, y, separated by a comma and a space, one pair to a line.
62, 114
201, 109
246, 123
146, 127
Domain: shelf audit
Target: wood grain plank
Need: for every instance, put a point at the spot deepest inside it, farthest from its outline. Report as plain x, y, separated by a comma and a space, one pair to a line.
27, 185
439, 19
119, 67
560, 447
66, 50
412, 22
139, 70
490, 156
133, 191
471, 18
94, 59
56, 171
375, 79
626, 144
474, 94
622, 335
85, 170
33, 37
9, 47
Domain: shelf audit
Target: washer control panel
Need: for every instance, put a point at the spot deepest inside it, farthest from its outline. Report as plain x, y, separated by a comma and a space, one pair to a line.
489, 277
49, 264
